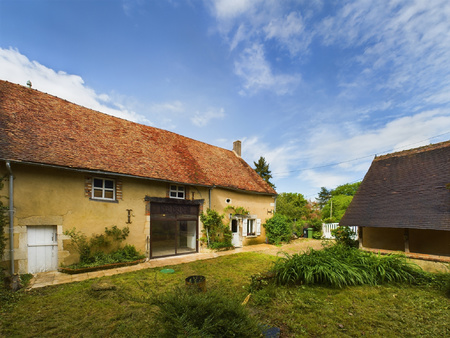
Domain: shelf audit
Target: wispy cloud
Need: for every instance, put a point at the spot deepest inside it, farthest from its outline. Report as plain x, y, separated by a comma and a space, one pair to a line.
289, 31
201, 119
257, 74
404, 45
246, 26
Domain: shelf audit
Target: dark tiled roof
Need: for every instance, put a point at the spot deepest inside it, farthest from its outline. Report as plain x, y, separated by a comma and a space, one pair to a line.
405, 190
40, 128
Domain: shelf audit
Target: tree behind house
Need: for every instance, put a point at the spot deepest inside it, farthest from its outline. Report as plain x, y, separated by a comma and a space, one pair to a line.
262, 168
300, 212
335, 202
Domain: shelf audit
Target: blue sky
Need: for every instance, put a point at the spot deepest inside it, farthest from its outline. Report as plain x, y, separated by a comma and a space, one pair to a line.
316, 87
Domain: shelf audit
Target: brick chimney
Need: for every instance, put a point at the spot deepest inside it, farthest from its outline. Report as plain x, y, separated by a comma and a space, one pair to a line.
237, 148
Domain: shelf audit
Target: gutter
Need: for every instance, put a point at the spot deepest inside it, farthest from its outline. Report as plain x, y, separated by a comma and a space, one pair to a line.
11, 215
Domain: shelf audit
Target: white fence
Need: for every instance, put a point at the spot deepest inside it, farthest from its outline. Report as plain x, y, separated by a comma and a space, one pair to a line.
327, 227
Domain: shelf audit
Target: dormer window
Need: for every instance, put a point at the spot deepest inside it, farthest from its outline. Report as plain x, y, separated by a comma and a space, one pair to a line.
103, 189
177, 191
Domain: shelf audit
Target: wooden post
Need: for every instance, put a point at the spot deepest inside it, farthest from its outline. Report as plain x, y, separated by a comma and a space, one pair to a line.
360, 237
406, 240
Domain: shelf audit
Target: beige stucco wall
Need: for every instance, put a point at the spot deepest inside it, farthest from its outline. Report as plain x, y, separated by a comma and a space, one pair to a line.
259, 207
431, 242
56, 197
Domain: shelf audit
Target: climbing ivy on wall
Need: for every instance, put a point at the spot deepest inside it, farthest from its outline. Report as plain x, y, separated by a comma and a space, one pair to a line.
218, 235
237, 210
3, 221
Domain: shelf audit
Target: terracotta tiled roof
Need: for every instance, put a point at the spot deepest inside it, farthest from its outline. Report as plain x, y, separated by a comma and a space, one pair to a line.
408, 189
40, 128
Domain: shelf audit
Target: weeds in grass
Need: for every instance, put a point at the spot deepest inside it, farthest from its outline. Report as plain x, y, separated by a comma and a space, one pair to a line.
189, 313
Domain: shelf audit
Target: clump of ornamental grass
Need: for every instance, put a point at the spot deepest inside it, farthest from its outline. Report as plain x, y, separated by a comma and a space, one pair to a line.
340, 266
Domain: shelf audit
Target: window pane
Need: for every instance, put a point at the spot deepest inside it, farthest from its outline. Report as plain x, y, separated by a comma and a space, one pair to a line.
98, 183
181, 195
173, 194
109, 194
180, 188
98, 193
173, 187
109, 184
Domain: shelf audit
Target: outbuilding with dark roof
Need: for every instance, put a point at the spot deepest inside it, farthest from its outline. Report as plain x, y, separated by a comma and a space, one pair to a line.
403, 203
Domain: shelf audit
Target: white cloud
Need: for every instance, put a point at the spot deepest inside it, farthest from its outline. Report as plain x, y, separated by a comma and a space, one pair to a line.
17, 68
201, 119
397, 45
246, 26
279, 158
229, 9
257, 74
330, 180
289, 30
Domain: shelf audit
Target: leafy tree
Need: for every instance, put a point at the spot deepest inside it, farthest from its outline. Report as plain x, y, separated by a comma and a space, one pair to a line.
291, 205
300, 212
338, 201
262, 168
348, 189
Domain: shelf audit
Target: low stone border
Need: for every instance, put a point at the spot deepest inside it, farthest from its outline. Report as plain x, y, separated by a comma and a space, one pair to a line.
100, 267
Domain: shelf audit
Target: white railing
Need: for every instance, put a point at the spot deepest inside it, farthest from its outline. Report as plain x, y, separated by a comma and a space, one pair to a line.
327, 227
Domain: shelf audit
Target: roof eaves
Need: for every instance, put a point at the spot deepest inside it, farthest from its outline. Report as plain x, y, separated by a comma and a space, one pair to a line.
104, 172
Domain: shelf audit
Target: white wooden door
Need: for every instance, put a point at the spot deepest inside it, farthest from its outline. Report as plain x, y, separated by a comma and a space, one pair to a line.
42, 249
236, 238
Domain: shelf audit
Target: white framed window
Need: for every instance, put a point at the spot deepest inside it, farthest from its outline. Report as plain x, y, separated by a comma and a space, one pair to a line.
251, 227
177, 191
103, 189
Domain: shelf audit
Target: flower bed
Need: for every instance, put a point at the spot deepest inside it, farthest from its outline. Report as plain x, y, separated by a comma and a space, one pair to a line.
72, 271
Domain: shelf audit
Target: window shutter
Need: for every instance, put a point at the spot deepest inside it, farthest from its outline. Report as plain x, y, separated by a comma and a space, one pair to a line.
244, 227
258, 227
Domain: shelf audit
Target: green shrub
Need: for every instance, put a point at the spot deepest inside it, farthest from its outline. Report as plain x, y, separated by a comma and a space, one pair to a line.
340, 266
102, 249
189, 313
218, 235
345, 236
278, 229
123, 255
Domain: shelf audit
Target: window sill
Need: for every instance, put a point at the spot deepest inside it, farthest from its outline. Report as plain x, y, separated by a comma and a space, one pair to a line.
102, 200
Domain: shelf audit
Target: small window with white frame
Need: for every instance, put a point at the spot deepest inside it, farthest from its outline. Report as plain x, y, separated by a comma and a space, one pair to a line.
104, 189
177, 191
251, 227
251, 231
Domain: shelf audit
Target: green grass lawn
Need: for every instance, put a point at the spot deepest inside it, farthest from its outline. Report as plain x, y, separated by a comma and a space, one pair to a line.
391, 310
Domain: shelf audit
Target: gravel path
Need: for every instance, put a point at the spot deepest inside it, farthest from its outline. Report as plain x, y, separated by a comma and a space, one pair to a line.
296, 246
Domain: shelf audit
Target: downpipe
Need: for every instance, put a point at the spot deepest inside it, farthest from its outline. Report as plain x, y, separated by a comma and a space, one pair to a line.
11, 215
